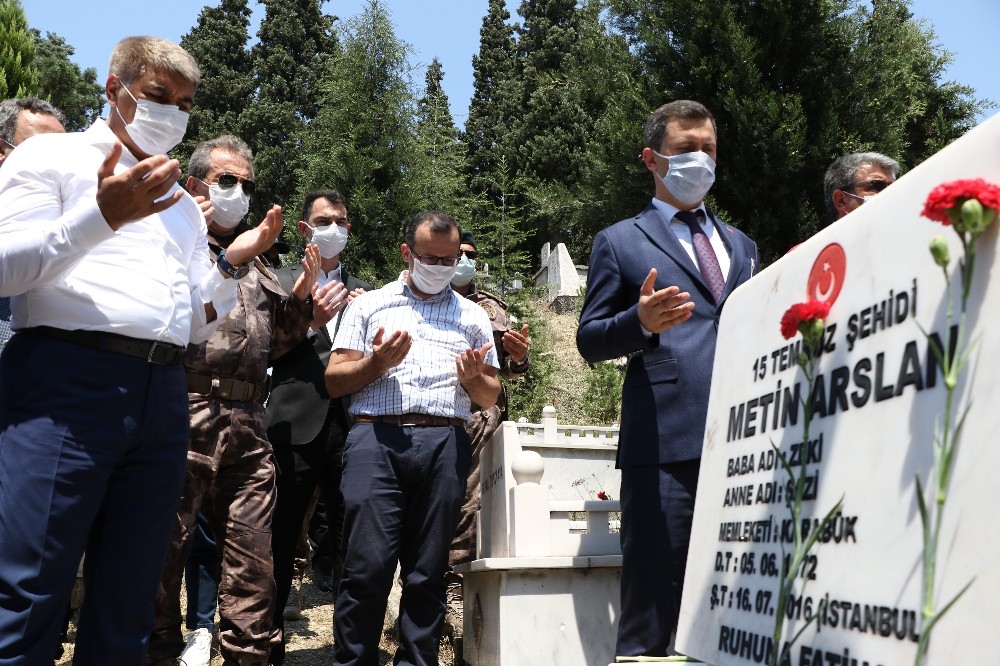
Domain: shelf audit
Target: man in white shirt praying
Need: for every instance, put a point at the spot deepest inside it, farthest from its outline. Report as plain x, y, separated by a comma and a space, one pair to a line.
107, 262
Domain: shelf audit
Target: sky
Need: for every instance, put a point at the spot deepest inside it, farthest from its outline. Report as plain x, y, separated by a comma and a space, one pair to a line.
449, 31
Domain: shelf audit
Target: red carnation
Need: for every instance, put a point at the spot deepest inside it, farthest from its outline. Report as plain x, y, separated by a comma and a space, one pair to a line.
802, 313
601, 495
949, 197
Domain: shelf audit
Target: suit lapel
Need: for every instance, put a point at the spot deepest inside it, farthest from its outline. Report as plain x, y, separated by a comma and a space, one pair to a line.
737, 255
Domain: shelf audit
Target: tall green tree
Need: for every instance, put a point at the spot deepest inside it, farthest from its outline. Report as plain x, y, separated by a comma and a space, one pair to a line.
439, 157
295, 40
73, 91
496, 195
218, 43
362, 140
793, 86
18, 77
488, 125
554, 129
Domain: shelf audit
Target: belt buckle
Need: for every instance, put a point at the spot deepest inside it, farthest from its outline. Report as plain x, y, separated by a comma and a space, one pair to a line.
152, 351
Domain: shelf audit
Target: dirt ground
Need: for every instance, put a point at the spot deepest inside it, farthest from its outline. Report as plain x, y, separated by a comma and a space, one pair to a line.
310, 639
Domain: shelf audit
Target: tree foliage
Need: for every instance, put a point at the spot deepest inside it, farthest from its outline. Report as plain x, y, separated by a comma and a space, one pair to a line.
362, 140
218, 42
793, 86
296, 40
18, 77
439, 157
73, 91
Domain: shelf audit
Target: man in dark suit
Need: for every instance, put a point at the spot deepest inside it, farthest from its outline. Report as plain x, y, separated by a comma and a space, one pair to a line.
656, 286
307, 428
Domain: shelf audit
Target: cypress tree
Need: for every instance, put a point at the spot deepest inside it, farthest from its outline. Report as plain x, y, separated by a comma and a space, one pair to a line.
60, 81
18, 77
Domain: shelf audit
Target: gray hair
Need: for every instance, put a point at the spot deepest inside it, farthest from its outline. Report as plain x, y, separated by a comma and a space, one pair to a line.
843, 172
201, 158
656, 124
133, 55
10, 111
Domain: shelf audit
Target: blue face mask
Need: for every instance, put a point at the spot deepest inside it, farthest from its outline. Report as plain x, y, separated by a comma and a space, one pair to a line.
689, 177
465, 271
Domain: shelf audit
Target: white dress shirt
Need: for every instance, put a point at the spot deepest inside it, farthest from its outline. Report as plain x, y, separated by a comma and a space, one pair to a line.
66, 268
441, 327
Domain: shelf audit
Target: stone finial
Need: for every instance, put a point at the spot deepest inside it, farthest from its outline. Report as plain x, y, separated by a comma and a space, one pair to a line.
527, 467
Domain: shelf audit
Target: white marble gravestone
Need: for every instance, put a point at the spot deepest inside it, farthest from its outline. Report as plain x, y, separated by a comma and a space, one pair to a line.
874, 433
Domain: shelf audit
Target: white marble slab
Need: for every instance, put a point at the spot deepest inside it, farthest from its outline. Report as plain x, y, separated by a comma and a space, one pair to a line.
876, 436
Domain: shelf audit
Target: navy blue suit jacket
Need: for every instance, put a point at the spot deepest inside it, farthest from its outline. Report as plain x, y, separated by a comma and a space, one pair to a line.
667, 380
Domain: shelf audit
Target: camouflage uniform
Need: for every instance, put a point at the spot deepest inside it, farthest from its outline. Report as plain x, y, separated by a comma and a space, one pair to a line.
482, 426
230, 470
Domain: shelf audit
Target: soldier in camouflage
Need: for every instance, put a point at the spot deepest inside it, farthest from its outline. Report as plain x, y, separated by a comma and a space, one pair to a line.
230, 472
512, 350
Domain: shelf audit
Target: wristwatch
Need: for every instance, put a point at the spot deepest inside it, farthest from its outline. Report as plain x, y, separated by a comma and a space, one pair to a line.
235, 272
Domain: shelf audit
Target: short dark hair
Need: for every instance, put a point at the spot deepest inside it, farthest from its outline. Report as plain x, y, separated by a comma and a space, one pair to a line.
844, 171
439, 222
201, 158
10, 112
333, 196
656, 124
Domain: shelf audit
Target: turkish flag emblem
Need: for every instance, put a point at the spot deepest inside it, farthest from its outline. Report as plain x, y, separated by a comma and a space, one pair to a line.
827, 274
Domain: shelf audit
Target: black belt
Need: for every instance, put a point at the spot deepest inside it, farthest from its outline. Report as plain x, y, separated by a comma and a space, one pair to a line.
425, 420
226, 388
151, 351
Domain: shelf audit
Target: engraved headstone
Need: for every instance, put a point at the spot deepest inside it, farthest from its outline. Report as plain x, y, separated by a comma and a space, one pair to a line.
880, 393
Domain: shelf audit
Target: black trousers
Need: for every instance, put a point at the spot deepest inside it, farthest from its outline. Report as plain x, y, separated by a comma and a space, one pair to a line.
657, 509
403, 489
301, 470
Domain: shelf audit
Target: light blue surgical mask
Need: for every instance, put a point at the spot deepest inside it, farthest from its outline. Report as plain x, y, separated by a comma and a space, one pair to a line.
465, 271
689, 176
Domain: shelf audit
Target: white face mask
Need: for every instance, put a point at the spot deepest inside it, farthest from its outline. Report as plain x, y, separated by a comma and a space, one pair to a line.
230, 205
864, 199
430, 279
689, 177
465, 271
330, 239
156, 128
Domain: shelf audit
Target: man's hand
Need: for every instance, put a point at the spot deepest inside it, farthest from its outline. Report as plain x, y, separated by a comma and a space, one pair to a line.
469, 364
516, 344
205, 204
254, 241
327, 302
133, 195
306, 282
390, 352
354, 294
663, 309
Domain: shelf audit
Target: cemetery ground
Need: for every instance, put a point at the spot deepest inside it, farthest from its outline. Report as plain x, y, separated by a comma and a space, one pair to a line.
311, 638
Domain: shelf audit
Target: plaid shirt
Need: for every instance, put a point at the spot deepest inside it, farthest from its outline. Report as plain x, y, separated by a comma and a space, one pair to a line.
442, 327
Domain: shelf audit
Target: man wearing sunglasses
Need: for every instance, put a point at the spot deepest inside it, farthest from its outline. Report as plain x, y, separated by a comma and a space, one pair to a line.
230, 473
416, 356
854, 178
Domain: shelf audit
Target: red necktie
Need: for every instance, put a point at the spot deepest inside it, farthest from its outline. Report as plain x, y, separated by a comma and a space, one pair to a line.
708, 263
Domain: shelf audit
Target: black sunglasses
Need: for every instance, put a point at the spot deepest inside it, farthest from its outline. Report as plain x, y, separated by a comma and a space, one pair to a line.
228, 181
471, 254
873, 185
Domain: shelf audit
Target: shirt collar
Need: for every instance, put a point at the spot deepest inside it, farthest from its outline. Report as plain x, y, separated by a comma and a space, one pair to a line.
669, 210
